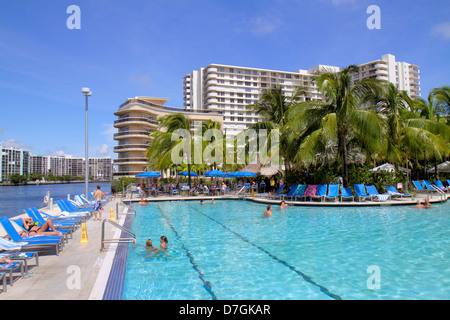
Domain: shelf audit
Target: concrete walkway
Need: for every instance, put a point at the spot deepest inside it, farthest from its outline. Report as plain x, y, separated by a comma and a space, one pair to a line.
76, 273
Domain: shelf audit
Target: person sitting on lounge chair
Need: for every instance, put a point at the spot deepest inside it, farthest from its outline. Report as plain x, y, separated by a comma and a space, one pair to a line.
5, 260
33, 229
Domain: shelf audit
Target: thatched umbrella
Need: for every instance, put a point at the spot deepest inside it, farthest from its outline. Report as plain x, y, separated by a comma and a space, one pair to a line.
252, 167
270, 170
267, 170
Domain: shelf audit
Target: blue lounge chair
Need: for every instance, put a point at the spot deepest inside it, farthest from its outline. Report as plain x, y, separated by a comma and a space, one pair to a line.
373, 192
346, 193
395, 194
32, 243
13, 250
3, 282
310, 191
427, 184
290, 193
67, 229
333, 192
321, 192
278, 192
360, 192
10, 269
23, 257
418, 186
299, 192
19, 222
439, 184
63, 221
68, 211
82, 202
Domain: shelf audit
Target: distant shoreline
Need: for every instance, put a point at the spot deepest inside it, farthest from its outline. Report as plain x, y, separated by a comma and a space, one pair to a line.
34, 183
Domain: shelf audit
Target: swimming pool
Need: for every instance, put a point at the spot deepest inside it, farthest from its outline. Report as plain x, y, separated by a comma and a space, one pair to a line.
229, 251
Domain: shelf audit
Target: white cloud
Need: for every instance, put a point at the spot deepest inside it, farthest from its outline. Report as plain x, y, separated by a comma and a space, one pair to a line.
61, 153
262, 25
13, 143
142, 80
109, 129
443, 30
104, 150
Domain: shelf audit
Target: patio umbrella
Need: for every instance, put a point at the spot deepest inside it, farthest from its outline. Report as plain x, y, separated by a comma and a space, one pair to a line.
247, 174
232, 174
443, 167
388, 167
148, 174
270, 170
214, 173
186, 173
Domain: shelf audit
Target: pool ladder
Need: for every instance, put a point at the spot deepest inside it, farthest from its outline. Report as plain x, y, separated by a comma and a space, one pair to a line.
120, 240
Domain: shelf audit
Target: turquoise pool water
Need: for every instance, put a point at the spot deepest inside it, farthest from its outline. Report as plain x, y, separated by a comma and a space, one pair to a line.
230, 251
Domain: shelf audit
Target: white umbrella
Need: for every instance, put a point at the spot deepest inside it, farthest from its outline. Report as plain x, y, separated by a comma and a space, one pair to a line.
388, 167
443, 167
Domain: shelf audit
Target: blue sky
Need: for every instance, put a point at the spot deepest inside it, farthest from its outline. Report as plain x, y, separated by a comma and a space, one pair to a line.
127, 48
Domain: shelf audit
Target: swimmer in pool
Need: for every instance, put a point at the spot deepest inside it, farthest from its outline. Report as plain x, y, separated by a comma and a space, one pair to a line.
268, 212
163, 246
283, 205
148, 245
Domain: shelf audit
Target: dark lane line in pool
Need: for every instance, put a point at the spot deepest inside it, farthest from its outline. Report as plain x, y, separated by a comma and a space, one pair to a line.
304, 276
206, 284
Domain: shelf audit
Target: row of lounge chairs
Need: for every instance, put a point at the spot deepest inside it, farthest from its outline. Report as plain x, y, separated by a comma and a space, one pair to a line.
323, 192
22, 249
437, 185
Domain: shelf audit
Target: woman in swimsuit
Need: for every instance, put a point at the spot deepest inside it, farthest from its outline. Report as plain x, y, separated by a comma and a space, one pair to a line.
33, 229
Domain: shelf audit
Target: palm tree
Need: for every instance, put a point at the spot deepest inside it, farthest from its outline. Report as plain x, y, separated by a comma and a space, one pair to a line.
393, 105
340, 117
442, 96
273, 106
162, 147
409, 128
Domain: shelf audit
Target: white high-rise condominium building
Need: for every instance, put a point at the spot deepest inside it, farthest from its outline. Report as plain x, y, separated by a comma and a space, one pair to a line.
230, 89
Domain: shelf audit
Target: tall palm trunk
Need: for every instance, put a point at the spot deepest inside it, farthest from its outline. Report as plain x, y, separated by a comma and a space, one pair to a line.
343, 153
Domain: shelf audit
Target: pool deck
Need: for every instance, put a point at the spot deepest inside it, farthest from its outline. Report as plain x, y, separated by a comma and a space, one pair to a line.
81, 271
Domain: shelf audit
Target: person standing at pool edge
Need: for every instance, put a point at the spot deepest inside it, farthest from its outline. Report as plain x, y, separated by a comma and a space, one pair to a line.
98, 196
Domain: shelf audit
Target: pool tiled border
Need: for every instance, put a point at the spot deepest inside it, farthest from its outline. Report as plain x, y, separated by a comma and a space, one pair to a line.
116, 279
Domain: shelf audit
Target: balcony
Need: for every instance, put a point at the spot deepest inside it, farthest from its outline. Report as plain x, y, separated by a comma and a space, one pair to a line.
132, 134
128, 161
131, 147
135, 120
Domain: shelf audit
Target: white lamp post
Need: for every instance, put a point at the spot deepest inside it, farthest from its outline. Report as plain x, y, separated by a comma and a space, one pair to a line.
87, 92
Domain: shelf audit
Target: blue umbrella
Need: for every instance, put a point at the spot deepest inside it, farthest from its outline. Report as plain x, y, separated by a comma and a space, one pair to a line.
247, 174
232, 174
148, 174
186, 173
215, 173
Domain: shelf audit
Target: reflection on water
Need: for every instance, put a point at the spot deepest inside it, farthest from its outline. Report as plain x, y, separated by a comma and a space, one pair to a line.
15, 199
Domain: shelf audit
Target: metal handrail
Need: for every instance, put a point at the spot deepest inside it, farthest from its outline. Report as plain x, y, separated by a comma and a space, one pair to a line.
120, 240
439, 191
